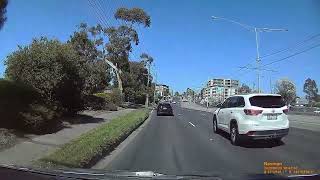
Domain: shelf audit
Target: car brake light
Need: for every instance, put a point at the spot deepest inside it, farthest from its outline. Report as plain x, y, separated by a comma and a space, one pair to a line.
252, 112
285, 111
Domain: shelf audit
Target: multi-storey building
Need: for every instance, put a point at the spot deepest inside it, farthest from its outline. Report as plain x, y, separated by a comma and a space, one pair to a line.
162, 90
220, 89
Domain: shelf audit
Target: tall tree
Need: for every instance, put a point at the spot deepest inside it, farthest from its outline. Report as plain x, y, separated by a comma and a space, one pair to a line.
94, 69
287, 90
132, 16
310, 88
147, 60
3, 10
244, 89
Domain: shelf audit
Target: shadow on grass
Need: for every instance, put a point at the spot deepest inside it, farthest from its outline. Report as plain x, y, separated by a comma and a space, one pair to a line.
255, 143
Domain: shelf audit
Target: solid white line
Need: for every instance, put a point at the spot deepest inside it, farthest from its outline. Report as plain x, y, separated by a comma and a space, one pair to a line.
192, 124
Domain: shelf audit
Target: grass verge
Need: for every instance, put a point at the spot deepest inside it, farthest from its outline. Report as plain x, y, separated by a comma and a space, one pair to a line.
86, 150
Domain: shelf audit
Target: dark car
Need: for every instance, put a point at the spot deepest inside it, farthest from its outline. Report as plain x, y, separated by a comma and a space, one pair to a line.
164, 109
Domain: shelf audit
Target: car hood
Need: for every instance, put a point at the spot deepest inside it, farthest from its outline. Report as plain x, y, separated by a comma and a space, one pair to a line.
103, 174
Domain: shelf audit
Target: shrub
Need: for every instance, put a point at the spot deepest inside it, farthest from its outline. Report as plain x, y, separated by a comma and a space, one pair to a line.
317, 104
111, 107
39, 119
116, 97
14, 99
21, 108
53, 69
103, 95
95, 102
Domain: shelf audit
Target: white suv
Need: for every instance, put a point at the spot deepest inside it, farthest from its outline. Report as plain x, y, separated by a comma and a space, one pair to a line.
253, 116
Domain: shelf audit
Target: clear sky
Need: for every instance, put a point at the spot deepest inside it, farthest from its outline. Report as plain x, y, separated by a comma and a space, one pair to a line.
187, 45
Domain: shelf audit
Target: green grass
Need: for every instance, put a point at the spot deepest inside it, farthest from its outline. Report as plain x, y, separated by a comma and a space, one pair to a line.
88, 148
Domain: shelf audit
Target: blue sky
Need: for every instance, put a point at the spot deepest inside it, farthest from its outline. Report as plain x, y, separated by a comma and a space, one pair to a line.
187, 45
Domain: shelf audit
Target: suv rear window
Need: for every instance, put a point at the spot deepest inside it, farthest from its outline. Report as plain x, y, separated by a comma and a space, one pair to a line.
267, 101
165, 105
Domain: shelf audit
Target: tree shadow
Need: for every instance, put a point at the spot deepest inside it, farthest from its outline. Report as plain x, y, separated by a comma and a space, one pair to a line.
131, 105
82, 119
255, 143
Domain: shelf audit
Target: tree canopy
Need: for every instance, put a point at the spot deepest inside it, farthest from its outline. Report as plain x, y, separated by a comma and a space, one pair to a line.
244, 89
134, 15
3, 10
311, 89
287, 90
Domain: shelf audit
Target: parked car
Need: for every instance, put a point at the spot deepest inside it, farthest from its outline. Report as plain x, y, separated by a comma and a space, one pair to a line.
254, 116
164, 109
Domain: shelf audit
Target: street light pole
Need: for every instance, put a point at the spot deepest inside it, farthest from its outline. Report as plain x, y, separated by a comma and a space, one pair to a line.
258, 58
256, 30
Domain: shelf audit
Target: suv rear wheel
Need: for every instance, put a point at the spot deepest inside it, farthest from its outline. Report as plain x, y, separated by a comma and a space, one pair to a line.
234, 134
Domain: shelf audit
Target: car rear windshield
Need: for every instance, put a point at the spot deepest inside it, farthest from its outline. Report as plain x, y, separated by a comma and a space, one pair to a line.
166, 105
267, 101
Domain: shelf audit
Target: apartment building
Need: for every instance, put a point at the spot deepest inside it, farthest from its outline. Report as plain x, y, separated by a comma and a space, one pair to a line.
220, 89
162, 90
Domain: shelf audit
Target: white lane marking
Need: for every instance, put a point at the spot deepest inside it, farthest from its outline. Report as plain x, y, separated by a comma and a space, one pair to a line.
179, 114
192, 124
202, 114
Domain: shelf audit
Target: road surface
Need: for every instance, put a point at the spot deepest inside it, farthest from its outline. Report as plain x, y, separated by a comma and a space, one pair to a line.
185, 144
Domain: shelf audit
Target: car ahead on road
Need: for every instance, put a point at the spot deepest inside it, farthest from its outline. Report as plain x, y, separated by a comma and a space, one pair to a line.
253, 116
164, 109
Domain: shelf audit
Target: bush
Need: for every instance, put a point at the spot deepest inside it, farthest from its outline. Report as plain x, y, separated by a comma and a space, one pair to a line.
39, 119
116, 97
95, 102
317, 104
53, 69
103, 95
21, 108
14, 99
113, 97
111, 107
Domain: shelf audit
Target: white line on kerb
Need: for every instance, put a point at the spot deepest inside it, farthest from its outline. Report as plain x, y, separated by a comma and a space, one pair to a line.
192, 124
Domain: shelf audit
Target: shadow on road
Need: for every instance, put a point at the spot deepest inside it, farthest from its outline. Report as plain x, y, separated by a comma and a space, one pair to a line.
255, 143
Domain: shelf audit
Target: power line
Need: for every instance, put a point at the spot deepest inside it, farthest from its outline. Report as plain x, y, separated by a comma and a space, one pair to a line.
97, 13
282, 59
298, 44
291, 47
104, 14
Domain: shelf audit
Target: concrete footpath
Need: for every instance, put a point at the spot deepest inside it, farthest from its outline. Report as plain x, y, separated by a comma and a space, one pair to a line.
37, 146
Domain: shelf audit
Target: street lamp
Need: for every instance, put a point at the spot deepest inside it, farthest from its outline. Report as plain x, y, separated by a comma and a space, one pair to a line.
256, 30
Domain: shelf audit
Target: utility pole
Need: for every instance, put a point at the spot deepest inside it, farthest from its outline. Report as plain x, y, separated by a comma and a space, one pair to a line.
270, 86
256, 30
258, 58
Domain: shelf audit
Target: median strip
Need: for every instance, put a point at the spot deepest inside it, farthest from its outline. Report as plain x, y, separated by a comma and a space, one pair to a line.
86, 150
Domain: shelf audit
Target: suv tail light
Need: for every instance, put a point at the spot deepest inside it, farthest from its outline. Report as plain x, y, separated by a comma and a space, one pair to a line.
285, 111
252, 112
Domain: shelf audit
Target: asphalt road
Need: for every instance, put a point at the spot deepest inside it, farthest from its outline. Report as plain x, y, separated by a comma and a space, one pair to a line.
185, 144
